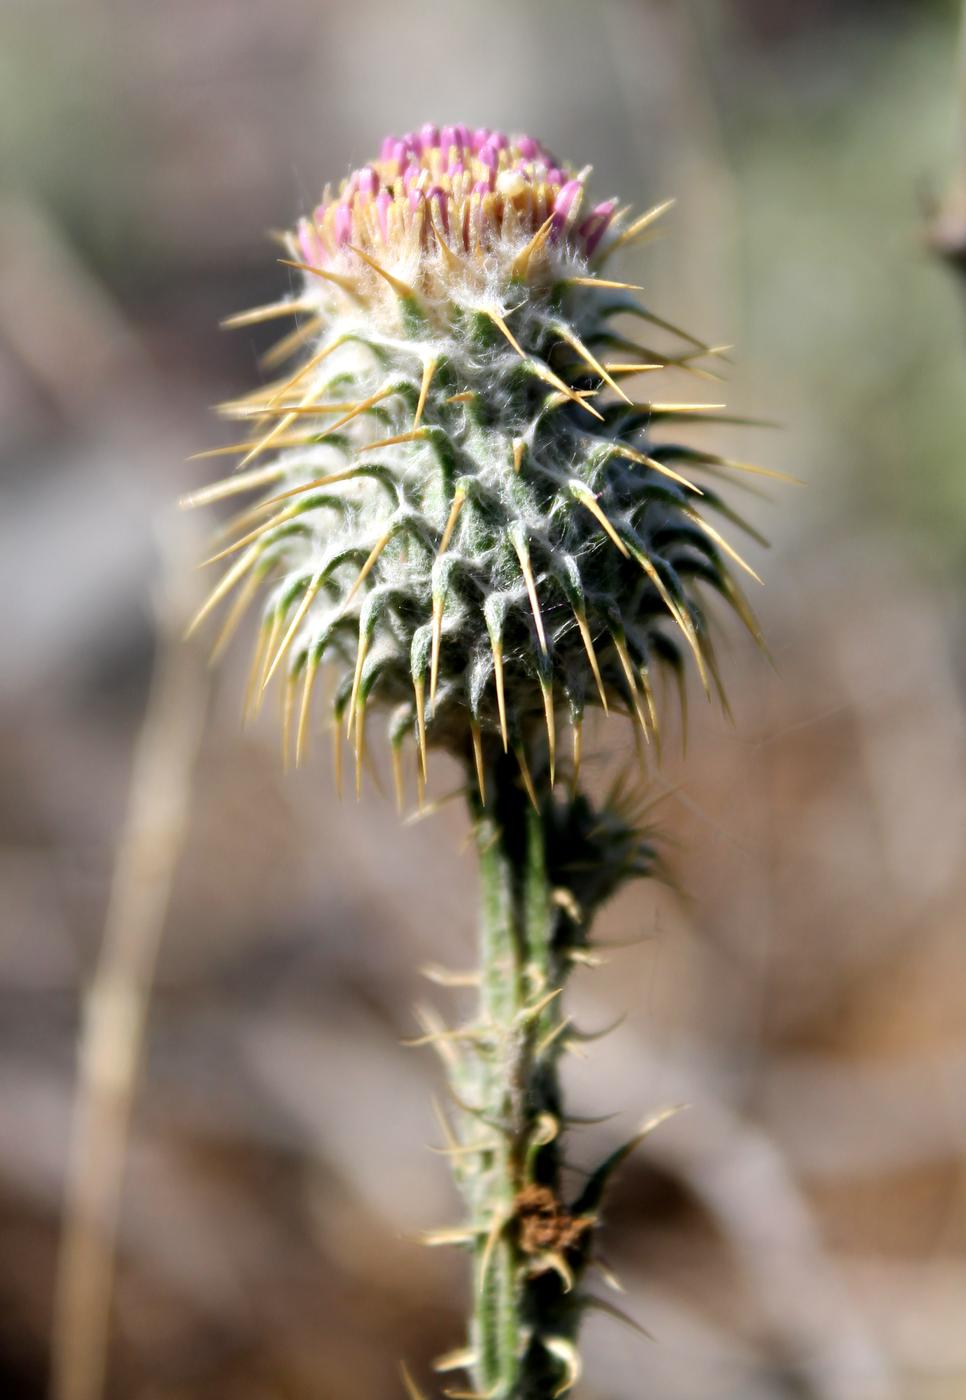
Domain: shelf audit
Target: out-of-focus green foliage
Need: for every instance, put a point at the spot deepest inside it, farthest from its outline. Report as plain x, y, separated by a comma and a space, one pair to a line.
843, 292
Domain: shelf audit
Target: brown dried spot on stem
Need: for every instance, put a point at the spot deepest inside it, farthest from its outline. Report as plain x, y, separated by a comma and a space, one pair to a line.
544, 1224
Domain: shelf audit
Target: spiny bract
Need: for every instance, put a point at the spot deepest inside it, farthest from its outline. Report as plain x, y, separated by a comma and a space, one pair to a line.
466, 516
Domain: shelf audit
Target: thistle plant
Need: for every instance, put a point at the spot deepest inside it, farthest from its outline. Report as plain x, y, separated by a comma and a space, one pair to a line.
470, 526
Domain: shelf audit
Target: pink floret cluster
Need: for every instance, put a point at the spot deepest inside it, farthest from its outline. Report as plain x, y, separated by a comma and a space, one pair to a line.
471, 187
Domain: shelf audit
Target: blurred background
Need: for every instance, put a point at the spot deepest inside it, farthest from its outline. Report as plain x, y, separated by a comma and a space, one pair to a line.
801, 1229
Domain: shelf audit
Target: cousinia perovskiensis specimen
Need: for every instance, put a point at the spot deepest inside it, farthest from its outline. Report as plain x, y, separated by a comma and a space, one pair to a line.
466, 522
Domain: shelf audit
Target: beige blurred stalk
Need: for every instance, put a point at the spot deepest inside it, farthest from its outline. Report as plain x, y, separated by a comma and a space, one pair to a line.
113, 1026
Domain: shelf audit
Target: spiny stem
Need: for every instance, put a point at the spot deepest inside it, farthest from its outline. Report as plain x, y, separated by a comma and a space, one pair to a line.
514, 1084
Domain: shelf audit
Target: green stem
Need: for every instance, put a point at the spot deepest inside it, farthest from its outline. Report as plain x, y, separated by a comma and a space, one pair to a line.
512, 1093
543, 875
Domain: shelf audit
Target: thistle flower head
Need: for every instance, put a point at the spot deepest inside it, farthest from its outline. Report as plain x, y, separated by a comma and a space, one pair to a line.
466, 516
